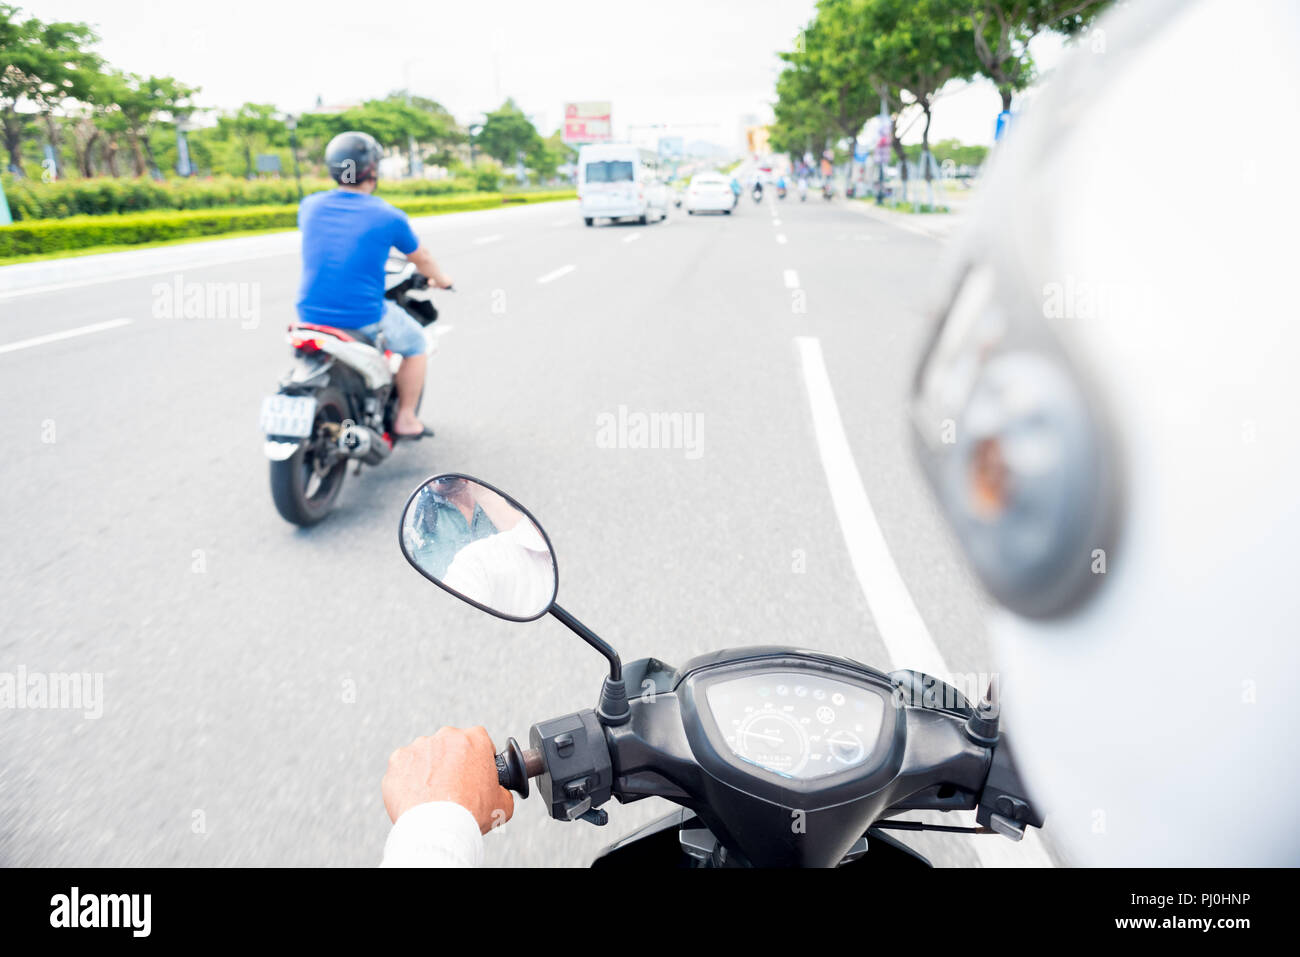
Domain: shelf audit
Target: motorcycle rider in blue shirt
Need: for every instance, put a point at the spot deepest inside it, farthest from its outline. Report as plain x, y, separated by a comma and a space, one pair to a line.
346, 237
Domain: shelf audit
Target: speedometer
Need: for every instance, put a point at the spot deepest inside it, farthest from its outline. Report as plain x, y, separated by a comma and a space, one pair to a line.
797, 724
773, 740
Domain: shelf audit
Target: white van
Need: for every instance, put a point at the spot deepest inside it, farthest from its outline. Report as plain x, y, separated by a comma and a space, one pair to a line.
620, 181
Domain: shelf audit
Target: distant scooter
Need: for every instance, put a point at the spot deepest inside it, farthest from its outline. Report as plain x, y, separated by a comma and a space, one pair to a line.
337, 404
828, 190
803, 190
757, 192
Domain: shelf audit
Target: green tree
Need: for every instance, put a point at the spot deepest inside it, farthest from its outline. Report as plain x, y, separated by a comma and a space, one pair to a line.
145, 103
919, 46
393, 121
842, 66
41, 66
253, 126
1003, 29
437, 131
507, 132
91, 121
550, 154
800, 122
952, 149
826, 89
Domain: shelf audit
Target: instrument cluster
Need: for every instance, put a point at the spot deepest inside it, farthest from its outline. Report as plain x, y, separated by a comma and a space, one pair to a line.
797, 724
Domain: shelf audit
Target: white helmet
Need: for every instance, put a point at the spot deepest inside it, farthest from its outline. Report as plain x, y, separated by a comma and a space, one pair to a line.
1110, 416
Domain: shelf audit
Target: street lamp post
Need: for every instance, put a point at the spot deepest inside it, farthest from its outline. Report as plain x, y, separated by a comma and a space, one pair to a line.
291, 122
416, 165
882, 155
474, 130
184, 166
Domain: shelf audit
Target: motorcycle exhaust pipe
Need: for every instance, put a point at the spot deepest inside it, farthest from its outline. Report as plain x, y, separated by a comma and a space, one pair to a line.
360, 442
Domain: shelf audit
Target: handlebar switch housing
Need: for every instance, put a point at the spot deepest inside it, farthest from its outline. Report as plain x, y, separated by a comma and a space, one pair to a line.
1004, 804
579, 775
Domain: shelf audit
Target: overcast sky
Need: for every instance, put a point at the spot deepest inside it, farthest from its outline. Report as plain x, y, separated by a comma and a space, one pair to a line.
698, 65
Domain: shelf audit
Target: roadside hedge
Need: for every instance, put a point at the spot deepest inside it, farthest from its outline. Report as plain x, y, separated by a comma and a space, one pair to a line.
129, 229
32, 199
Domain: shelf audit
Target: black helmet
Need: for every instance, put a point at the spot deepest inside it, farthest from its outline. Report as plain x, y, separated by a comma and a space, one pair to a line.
353, 157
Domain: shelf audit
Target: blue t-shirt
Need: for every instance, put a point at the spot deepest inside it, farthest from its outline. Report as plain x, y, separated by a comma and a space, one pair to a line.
345, 241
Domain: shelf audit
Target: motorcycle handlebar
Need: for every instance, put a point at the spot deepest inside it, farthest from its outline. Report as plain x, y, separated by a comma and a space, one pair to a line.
515, 765
420, 281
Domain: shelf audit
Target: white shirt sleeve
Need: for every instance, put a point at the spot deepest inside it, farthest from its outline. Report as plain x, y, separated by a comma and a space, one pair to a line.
436, 834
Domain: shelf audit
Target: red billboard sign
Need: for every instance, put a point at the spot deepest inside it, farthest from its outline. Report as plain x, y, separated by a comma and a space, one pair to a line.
587, 122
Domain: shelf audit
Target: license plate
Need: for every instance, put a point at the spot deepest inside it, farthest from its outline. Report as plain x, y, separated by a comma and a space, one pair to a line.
290, 415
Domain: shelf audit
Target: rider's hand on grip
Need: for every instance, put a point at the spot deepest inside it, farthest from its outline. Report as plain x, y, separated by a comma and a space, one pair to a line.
454, 764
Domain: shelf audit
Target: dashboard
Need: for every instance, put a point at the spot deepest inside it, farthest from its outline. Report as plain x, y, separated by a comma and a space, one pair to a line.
796, 724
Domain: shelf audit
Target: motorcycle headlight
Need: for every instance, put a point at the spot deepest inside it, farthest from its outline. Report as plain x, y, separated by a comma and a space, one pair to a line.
1014, 449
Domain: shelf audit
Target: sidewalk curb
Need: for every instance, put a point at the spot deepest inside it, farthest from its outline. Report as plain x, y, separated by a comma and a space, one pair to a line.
940, 226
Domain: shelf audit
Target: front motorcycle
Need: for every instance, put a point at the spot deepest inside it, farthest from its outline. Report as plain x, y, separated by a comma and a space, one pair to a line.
336, 404
776, 755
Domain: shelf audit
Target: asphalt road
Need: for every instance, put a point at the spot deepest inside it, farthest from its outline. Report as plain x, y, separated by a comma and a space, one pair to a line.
256, 676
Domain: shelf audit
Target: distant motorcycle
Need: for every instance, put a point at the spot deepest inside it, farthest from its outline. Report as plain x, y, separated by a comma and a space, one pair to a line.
757, 192
336, 404
828, 190
780, 192
803, 190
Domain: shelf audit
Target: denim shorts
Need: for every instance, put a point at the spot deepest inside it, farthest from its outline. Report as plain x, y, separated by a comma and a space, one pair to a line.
402, 334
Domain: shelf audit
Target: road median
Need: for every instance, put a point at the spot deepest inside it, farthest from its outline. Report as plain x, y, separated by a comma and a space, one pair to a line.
77, 235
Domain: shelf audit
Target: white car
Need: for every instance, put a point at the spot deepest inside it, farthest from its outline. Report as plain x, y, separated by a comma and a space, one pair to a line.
710, 192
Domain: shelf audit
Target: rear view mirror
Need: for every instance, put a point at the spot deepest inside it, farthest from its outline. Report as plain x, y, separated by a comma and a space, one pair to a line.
481, 545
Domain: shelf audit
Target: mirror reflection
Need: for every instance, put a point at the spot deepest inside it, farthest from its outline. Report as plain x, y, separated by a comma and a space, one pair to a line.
481, 546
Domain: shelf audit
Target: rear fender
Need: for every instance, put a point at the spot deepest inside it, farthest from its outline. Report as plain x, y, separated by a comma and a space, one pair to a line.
308, 372
278, 451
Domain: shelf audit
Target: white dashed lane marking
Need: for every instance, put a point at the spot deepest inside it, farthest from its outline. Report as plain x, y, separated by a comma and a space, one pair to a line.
556, 274
65, 334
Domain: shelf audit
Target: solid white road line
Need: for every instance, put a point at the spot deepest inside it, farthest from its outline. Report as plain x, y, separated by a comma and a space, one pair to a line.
780, 238
791, 279
562, 271
631, 239
65, 334
902, 630
484, 240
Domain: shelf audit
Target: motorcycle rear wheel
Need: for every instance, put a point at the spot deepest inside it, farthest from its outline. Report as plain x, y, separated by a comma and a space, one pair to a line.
302, 493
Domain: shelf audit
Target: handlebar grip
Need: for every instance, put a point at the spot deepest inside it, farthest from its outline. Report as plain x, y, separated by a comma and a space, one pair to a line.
515, 765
